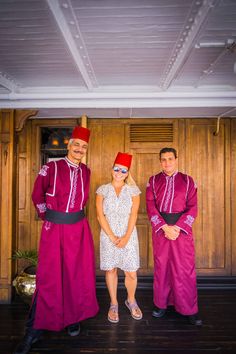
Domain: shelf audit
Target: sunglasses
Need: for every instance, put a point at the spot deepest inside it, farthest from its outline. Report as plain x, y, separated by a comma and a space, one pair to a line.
120, 169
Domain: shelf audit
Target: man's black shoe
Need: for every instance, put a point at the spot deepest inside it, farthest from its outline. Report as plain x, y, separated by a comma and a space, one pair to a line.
24, 346
158, 313
194, 320
73, 330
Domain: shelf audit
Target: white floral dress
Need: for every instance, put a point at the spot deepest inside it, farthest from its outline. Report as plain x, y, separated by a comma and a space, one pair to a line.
117, 211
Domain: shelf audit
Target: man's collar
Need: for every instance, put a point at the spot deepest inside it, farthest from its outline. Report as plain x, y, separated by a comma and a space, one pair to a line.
71, 163
173, 174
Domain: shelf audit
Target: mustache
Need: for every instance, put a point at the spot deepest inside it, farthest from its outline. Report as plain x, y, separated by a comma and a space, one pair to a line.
79, 151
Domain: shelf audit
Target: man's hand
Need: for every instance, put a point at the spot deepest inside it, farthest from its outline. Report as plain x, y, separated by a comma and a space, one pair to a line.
171, 231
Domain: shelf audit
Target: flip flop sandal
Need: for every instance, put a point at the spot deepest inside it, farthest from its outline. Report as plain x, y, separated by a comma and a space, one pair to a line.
114, 309
132, 307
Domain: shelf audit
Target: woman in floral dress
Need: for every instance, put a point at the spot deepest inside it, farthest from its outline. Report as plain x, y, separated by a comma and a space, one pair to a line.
117, 208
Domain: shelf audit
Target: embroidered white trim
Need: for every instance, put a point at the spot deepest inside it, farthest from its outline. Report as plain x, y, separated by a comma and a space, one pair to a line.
173, 193
181, 228
41, 207
82, 189
71, 163
169, 192
74, 188
43, 171
167, 181
71, 186
55, 179
189, 220
153, 187
159, 228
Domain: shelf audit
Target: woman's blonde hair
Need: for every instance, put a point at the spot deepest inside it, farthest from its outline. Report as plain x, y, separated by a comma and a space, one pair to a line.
129, 180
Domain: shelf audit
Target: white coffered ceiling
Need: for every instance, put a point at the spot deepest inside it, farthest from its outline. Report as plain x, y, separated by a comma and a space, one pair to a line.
119, 58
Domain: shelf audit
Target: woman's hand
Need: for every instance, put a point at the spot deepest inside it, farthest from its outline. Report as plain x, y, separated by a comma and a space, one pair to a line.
122, 242
114, 239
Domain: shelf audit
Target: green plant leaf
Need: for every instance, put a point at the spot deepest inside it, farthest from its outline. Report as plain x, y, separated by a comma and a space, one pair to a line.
29, 255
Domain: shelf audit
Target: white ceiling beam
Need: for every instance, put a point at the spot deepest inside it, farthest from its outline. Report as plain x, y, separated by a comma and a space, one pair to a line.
8, 83
124, 95
182, 51
69, 39
17, 101
125, 112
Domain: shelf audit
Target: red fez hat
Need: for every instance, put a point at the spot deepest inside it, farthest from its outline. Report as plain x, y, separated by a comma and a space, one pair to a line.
123, 159
81, 133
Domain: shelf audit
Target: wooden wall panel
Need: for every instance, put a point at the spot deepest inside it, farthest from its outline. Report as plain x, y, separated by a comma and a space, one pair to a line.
206, 163
7, 205
107, 138
143, 235
202, 155
145, 164
209, 159
24, 189
233, 193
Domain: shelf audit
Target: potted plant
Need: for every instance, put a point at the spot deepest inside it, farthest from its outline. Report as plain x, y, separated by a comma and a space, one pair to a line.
25, 282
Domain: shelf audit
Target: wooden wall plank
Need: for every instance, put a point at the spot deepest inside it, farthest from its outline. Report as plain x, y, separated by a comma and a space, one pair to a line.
6, 202
206, 163
232, 156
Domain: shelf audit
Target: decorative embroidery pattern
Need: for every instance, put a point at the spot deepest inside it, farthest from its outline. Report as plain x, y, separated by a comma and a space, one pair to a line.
41, 207
169, 192
47, 225
155, 220
43, 171
189, 220
74, 188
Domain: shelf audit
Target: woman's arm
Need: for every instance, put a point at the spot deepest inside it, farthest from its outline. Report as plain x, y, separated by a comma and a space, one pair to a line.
132, 221
102, 219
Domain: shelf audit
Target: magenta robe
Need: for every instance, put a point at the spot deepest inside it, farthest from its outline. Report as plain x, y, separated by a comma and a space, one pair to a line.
65, 281
174, 261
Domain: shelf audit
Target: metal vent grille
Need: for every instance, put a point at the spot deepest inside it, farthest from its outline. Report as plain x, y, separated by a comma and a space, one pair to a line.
151, 132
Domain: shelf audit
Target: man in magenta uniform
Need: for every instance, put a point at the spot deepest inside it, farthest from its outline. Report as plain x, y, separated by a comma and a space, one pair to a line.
171, 198
65, 282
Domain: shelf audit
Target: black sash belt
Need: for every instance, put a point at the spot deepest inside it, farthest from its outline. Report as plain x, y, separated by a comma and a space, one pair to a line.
171, 218
59, 217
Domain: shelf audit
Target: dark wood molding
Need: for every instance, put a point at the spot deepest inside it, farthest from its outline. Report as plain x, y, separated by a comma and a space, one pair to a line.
21, 117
